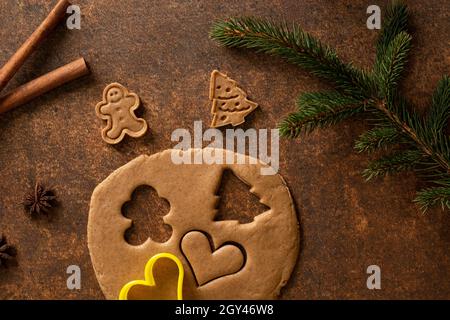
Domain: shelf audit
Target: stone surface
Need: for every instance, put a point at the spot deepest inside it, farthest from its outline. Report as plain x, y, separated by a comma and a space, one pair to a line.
161, 51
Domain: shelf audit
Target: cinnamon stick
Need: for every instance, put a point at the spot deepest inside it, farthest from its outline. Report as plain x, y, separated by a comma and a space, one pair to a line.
43, 84
17, 60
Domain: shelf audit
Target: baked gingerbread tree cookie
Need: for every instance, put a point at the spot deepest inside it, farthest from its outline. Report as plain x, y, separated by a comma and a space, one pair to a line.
229, 102
117, 109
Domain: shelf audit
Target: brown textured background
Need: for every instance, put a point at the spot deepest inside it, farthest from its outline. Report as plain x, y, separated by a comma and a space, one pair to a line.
161, 50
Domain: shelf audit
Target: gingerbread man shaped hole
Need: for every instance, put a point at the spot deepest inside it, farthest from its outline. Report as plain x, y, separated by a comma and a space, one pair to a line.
147, 210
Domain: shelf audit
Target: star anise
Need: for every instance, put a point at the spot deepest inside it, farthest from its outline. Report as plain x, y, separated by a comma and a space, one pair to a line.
7, 251
41, 200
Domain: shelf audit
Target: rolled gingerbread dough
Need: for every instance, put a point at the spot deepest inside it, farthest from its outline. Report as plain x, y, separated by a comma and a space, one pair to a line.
269, 244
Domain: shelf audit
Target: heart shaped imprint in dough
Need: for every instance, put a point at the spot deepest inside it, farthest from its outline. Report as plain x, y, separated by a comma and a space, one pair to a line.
208, 264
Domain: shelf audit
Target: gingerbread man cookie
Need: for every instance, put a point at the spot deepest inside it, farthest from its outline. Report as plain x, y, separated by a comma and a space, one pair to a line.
117, 109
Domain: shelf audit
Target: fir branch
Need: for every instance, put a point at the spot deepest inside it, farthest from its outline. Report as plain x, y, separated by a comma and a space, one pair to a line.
297, 47
320, 109
429, 171
431, 197
440, 109
395, 21
299, 122
326, 101
389, 68
397, 162
412, 126
377, 138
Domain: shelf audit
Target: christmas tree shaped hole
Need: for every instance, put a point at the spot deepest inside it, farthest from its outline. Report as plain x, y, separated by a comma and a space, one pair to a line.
235, 201
146, 209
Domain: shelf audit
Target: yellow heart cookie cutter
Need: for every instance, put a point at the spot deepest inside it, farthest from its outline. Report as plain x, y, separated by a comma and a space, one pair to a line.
149, 279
